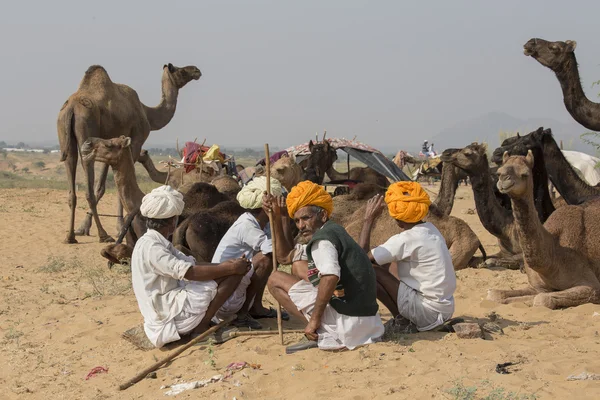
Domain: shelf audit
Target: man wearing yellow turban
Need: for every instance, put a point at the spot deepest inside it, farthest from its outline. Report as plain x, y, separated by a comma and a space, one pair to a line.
249, 237
415, 275
338, 297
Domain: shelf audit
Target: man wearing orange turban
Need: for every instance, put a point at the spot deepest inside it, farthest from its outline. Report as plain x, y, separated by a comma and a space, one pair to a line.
421, 296
338, 297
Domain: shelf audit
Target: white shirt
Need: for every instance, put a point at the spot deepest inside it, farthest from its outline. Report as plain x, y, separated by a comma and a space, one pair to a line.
245, 237
156, 270
424, 264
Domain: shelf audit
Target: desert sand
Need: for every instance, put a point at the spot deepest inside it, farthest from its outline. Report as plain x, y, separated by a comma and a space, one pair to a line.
62, 313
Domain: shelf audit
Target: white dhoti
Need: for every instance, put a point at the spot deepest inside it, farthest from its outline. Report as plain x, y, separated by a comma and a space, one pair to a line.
413, 306
337, 330
235, 302
199, 296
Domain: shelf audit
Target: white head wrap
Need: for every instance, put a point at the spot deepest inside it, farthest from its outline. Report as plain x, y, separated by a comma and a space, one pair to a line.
162, 203
250, 197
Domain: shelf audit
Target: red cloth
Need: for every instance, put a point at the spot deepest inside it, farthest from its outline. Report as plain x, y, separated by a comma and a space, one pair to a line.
191, 151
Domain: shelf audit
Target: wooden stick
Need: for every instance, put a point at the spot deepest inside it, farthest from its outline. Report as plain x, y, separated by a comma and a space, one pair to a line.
262, 333
171, 356
273, 238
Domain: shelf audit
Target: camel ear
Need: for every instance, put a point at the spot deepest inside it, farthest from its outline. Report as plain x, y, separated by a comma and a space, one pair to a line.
127, 142
529, 159
505, 157
571, 44
310, 145
518, 135
171, 68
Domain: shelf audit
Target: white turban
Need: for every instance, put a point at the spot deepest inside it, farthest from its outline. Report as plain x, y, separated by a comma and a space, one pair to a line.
162, 203
250, 197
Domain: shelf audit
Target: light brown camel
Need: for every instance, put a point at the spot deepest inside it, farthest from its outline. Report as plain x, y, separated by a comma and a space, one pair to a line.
560, 58
180, 180
460, 238
287, 172
104, 109
562, 256
495, 218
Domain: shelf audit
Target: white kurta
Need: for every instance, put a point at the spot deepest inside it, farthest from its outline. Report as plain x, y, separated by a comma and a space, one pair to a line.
244, 238
337, 330
428, 281
157, 276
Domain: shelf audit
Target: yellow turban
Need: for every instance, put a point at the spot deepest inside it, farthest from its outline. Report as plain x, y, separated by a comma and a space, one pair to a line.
408, 208
250, 197
308, 194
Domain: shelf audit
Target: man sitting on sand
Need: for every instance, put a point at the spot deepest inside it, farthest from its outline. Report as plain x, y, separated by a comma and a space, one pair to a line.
339, 302
176, 295
249, 238
423, 290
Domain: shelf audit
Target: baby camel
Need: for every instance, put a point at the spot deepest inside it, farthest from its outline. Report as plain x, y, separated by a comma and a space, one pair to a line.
561, 256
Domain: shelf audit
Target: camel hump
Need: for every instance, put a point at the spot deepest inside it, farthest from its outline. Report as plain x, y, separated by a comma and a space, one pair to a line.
95, 76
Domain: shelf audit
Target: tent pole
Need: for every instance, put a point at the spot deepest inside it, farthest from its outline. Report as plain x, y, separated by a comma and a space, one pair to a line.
348, 165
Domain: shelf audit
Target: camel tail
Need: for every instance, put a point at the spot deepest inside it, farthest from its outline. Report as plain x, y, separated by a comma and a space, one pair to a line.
482, 250
66, 132
126, 225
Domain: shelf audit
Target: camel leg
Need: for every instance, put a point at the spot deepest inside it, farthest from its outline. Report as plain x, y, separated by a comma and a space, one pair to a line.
84, 228
71, 168
519, 299
572, 297
501, 260
88, 168
501, 296
119, 215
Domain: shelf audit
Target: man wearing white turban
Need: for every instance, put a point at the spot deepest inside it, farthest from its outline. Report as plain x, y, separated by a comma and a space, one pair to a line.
249, 237
176, 295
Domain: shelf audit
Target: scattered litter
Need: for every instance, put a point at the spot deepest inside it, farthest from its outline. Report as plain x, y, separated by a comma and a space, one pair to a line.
238, 366
468, 211
182, 387
19, 266
502, 368
95, 371
596, 314
584, 376
491, 327
493, 316
152, 375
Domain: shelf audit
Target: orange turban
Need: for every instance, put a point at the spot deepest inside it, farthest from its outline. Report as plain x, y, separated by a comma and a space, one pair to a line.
308, 194
408, 208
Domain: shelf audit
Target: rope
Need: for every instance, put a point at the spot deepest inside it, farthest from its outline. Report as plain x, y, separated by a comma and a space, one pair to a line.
106, 215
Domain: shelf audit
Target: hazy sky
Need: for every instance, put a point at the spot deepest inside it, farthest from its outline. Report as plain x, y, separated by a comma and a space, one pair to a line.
390, 72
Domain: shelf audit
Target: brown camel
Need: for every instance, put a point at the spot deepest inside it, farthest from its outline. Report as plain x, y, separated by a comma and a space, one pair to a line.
560, 58
286, 171
562, 258
320, 162
460, 238
569, 184
104, 109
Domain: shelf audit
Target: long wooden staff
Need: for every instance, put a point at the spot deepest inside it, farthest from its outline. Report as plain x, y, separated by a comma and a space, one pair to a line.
174, 354
273, 238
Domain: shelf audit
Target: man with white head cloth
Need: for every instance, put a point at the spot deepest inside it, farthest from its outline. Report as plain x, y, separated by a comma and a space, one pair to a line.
176, 295
249, 237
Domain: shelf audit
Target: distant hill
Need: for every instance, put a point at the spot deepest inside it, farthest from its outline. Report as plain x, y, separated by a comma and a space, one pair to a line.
487, 128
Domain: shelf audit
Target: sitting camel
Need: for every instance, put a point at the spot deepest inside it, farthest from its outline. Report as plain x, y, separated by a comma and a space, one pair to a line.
569, 184
460, 238
561, 257
117, 153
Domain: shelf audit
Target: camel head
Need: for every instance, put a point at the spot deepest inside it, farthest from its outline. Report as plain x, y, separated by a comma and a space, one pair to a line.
182, 75
322, 156
286, 171
519, 146
108, 151
469, 158
553, 55
514, 176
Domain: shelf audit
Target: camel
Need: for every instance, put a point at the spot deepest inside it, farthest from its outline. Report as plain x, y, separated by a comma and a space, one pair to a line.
460, 238
286, 171
201, 196
104, 109
320, 162
561, 257
565, 179
560, 58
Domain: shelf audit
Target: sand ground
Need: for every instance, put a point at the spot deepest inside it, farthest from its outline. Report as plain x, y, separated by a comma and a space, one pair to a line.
62, 313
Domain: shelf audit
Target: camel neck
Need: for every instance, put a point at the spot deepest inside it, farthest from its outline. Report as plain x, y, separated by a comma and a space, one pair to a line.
536, 242
492, 215
570, 186
335, 175
129, 192
584, 111
162, 114
449, 183
155, 175
542, 200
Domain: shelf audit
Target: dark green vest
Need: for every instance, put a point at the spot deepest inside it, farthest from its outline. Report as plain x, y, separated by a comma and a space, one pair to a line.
356, 292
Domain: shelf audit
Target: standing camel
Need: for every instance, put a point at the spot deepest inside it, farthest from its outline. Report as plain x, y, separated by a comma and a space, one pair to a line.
104, 109
561, 257
560, 58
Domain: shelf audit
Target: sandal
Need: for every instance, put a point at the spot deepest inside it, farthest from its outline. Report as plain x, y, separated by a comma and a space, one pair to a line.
246, 321
273, 314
